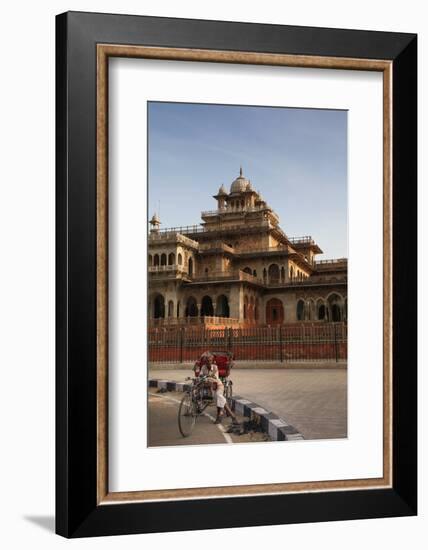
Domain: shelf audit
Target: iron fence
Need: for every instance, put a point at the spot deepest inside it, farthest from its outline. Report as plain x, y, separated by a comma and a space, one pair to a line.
316, 342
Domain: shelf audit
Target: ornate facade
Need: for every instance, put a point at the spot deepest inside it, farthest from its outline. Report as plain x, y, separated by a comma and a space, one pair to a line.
238, 267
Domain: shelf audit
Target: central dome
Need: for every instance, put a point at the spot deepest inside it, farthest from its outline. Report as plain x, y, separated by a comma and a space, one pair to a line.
240, 184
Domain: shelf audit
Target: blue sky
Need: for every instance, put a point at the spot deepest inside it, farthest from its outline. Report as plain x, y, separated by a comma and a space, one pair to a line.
296, 158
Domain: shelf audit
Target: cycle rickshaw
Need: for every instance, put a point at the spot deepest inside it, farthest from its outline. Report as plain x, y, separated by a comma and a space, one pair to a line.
199, 396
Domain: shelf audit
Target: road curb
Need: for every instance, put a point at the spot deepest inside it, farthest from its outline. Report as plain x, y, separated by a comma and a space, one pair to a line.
277, 428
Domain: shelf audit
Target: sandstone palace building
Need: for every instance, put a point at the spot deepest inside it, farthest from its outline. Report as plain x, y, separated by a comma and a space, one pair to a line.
239, 268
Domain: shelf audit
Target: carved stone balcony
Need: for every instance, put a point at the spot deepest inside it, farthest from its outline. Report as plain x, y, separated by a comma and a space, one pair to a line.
340, 264
168, 271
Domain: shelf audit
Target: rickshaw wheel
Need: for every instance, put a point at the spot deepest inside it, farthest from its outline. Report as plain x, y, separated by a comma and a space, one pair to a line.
186, 415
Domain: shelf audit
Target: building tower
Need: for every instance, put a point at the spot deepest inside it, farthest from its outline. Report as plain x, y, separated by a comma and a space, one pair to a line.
221, 197
155, 223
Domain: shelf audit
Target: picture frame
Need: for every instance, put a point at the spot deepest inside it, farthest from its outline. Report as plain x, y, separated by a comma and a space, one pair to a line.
84, 44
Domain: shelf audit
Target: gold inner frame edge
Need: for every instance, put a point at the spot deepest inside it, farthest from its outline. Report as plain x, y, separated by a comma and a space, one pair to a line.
104, 51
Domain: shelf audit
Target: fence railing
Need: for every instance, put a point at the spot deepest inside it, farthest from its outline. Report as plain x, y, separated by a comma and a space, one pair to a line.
315, 342
171, 236
263, 250
237, 275
196, 229
204, 320
229, 209
332, 262
166, 268
307, 239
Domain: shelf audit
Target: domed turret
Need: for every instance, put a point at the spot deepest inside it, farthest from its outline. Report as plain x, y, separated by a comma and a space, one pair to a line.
239, 184
155, 222
221, 197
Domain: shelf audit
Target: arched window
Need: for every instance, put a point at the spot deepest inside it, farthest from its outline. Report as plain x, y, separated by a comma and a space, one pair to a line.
321, 311
336, 314
300, 310
254, 273
156, 259
190, 264
207, 307
291, 273
191, 307
150, 259
171, 259
264, 275
170, 308
282, 274
180, 259
274, 312
248, 270
273, 273
335, 303
222, 306
245, 307
159, 307
311, 310
163, 259
206, 271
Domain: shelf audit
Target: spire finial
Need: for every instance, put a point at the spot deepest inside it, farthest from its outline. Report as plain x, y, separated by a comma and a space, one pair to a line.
240, 170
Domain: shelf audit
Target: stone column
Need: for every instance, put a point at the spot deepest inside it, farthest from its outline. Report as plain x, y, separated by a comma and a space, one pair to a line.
236, 303
241, 303
290, 305
262, 311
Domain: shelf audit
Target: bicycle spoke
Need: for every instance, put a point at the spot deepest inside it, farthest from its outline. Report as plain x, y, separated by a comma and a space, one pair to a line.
186, 415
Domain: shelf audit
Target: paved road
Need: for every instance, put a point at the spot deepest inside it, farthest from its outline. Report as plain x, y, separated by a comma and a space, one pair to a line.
163, 427
314, 401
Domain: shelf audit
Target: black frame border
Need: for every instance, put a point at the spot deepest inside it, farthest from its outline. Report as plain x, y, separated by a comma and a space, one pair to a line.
77, 513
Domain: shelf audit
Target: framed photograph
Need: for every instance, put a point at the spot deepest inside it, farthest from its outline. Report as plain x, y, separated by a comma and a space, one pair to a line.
236, 274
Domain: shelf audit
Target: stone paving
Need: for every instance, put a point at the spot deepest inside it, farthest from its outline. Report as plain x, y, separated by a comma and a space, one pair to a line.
314, 401
163, 425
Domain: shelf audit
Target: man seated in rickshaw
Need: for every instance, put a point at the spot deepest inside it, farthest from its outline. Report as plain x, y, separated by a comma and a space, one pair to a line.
209, 369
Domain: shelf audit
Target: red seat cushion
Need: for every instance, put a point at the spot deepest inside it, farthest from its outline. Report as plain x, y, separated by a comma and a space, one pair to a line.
222, 362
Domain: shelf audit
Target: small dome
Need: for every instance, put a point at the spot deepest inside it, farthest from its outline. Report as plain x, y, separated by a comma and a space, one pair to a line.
222, 190
155, 219
240, 184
